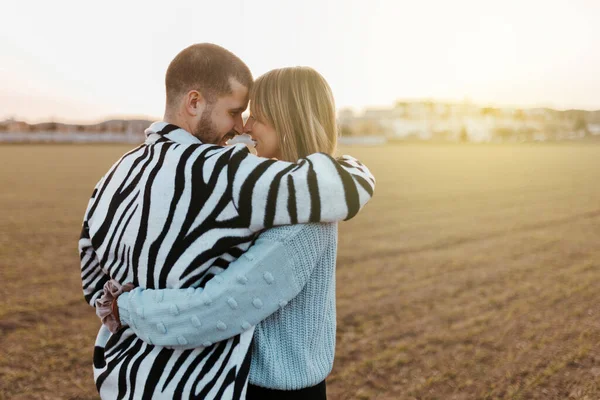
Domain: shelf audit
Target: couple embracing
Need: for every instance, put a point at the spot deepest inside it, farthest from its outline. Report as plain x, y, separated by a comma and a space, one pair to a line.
212, 268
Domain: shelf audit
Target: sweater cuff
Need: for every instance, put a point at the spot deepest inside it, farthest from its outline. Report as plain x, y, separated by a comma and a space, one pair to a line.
123, 304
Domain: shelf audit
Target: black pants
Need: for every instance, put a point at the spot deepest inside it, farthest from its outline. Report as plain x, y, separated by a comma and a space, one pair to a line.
317, 392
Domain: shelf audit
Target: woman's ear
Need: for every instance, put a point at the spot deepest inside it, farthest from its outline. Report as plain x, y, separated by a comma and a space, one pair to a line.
195, 103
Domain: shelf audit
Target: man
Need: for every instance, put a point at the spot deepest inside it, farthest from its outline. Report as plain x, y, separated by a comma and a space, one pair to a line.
175, 211
214, 114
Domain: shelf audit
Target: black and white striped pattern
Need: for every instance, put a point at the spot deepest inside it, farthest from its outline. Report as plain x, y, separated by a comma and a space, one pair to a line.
173, 213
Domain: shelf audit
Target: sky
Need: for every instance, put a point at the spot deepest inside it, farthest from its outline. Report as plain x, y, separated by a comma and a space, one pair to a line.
82, 61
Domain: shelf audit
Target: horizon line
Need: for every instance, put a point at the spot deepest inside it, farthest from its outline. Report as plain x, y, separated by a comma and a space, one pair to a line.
130, 117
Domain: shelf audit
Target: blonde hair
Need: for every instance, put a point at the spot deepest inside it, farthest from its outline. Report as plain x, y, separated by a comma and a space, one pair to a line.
298, 103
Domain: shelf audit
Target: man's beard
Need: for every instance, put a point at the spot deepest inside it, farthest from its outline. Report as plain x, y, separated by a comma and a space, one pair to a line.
206, 131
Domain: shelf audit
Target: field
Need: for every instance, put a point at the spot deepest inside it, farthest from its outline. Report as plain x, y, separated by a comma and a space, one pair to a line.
474, 273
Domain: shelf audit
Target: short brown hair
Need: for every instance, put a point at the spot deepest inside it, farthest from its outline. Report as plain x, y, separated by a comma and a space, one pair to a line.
207, 68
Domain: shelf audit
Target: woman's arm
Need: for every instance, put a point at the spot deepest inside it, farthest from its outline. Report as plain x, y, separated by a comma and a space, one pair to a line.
271, 273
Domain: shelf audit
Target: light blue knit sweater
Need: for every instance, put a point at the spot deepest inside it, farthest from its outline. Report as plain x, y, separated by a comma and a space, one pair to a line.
286, 280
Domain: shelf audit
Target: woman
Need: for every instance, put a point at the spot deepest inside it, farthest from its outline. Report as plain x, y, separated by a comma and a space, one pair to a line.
285, 282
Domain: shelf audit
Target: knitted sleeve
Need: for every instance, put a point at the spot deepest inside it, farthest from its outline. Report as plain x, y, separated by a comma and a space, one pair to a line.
272, 272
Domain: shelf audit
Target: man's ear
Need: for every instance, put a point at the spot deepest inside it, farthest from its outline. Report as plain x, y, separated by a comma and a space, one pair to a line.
195, 103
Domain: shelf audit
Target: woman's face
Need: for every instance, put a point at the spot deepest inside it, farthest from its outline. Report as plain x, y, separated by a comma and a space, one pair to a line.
267, 143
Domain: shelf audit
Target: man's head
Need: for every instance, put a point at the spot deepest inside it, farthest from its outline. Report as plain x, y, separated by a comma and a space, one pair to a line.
207, 91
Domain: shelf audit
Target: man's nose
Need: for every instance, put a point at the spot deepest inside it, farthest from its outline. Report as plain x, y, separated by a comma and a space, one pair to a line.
248, 126
239, 125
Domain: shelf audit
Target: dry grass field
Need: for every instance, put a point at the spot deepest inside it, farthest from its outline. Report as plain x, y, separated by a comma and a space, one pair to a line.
473, 274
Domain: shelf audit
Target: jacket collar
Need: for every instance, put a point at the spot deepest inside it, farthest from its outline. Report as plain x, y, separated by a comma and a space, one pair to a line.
171, 132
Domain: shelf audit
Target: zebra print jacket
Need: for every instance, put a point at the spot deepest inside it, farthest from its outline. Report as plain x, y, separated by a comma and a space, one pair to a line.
173, 213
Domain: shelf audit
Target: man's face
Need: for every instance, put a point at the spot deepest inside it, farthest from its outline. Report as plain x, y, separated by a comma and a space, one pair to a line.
222, 120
